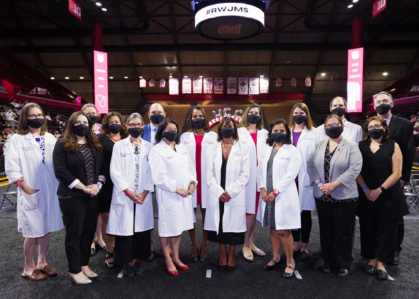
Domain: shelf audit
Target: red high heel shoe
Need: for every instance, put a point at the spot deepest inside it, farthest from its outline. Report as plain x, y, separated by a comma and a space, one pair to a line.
172, 273
183, 268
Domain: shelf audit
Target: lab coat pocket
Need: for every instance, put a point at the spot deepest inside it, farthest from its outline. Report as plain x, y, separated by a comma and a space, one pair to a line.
31, 202
119, 199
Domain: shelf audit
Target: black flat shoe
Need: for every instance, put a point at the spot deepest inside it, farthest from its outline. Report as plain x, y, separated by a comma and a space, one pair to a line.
128, 271
343, 273
369, 269
288, 275
327, 268
269, 267
137, 268
231, 268
396, 258
381, 274
222, 268
304, 256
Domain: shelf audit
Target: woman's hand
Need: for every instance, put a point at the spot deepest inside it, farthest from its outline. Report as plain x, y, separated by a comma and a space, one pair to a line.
326, 188
191, 188
264, 195
374, 194
25, 188
93, 190
225, 197
182, 192
136, 198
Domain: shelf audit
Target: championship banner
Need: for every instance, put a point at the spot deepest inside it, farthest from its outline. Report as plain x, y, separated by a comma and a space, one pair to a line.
231, 85
254, 85
243, 86
197, 85
264, 85
293, 81
173, 86
355, 79
100, 71
162, 83
74, 8
143, 83
152, 83
207, 85
186, 85
308, 81
278, 82
218, 86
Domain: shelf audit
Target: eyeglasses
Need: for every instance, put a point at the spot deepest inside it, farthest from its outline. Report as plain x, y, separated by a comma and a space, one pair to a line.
332, 126
135, 125
383, 101
375, 127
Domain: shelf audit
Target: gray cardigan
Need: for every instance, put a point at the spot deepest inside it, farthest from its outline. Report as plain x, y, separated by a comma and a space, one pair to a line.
345, 167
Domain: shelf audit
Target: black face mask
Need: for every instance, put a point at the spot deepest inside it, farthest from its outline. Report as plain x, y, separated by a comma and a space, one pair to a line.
115, 128
339, 111
383, 109
299, 119
156, 118
35, 123
227, 132
278, 137
169, 135
81, 130
198, 123
135, 132
334, 132
253, 118
94, 118
376, 133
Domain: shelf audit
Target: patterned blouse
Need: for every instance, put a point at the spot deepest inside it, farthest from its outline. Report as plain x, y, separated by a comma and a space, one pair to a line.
89, 162
41, 143
269, 216
137, 153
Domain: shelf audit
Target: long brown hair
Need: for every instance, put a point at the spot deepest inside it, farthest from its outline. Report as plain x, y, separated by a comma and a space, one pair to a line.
23, 119
206, 126
308, 121
70, 139
243, 120
107, 118
382, 122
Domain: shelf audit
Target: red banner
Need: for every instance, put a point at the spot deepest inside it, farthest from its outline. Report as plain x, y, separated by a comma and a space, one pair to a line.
293, 81
74, 8
152, 82
308, 81
378, 6
355, 79
278, 82
100, 67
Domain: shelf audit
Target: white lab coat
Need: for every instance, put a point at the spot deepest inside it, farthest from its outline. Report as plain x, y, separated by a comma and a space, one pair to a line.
255, 153
37, 214
306, 146
237, 177
172, 170
122, 170
351, 131
286, 166
209, 140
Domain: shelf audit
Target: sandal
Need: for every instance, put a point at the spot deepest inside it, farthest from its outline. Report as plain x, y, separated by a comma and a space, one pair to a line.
288, 275
108, 256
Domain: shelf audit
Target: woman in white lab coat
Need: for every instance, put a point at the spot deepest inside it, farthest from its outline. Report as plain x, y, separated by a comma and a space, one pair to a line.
253, 136
174, 176
280, 210
303, 137
228, 174
28, 162
131, 214
198, 140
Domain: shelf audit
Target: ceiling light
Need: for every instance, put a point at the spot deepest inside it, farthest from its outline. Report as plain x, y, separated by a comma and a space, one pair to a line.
104, 9
186, 76
126, 77
200, 76
111, 78
141, 77
350, 5
392, 90
67, 78
385, 74
52, 78
98, 4
323, 74
262, 76
170, 75
355, 1
81, 78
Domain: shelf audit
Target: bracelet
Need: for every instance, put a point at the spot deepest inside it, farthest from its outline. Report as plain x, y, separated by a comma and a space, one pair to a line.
99, 186
276, 194
127, 193
365, 188
319, 182
19, 182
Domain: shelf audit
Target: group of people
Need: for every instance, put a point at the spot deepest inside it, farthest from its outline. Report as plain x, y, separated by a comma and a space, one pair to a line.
237, 174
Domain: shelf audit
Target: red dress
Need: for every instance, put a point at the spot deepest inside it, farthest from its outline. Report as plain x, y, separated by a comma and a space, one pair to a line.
255, 140
198, 142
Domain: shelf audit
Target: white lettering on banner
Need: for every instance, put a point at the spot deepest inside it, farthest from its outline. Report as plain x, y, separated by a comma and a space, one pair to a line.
218, 86
74, 8
186, 86
243, 86
378, 6
254, 85
355, 79
100, 71
100, 66
197, 85
207, 85
231, 85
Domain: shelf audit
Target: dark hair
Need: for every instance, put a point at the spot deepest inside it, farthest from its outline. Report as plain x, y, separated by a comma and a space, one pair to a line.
382, 121
308, 121
23, 119
107, 118
206, 126
279, 121
243, 120
163, 126
333, 116
226, 120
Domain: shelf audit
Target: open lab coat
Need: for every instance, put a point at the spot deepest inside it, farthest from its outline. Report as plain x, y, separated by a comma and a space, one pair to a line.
37, 214
122, 171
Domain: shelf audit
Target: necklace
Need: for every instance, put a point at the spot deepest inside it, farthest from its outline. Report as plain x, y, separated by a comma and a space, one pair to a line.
226, 145
114, 139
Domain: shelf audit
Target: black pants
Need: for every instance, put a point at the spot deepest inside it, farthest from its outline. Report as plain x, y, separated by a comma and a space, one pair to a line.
305, 229
336, 222
400, 235
132, 247
80, 215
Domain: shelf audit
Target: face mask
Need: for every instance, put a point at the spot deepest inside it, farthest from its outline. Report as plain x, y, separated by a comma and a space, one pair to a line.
156, 118
334, 132
376, 133
339, 111
135, 132
278, 137
227, 132
253, 118
198, 123
81, 130
115, 128
35, 123
170, 135
94, 118
383, 109
299, 119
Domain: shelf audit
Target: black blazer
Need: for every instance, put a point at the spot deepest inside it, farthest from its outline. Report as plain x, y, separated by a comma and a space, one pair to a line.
401, 131
69, 166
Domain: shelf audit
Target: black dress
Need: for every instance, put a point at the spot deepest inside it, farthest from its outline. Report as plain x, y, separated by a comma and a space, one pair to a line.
105, 196
222, 237
378, 219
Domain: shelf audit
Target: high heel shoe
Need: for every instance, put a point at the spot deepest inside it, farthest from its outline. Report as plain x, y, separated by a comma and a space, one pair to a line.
182, 268
84, 281
195, 257
222, 268
90, 275
288, 275
172, 273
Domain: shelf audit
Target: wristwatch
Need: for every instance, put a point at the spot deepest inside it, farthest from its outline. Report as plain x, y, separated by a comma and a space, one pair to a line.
382, 188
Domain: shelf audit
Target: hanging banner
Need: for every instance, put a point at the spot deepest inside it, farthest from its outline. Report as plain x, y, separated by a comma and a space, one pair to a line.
218, 85
152, 82
197, 85
244, 86
207, 85
264, 85
278, 82
231, 85
355, 79
74, 8
254, 85
78, 100
378, 6
143, 83
186, 86
293, 81
174, 86
308, 81
100, 67
162, 83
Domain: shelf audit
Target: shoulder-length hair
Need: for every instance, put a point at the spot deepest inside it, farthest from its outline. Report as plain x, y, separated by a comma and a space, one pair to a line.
382, 121
333, 116
163, 126
23, 128
279, 121
206, 126
107, 118
227, 120
243, 120
70, 139
308, 121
